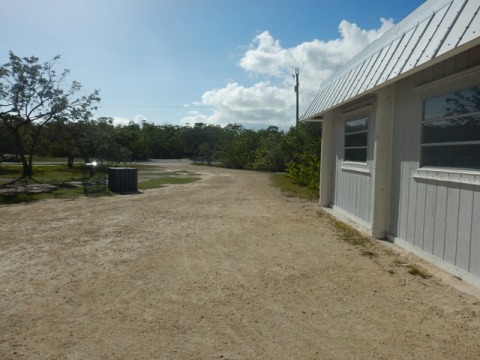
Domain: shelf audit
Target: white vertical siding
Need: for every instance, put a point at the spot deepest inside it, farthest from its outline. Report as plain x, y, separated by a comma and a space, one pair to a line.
440, 221
475, 239
436, 211
462, 259
353, 187
353, 194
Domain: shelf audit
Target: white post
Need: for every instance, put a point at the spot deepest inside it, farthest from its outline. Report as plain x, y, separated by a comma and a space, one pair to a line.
382, 161
326, 161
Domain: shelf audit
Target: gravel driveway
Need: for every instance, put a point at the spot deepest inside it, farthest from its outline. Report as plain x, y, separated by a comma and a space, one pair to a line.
225, 267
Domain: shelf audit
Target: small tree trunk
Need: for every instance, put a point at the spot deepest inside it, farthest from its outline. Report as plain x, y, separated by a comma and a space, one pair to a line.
26, 167
70, 161
30, 166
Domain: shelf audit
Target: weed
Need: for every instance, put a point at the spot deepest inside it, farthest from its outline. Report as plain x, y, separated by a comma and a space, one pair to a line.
371, 254
414, 270
351, 235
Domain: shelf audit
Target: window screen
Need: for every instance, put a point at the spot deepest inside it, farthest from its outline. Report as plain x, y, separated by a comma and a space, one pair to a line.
451, 130
356, 139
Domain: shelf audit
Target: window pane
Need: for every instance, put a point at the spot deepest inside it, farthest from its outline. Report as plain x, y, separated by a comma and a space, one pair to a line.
359, 155
356, 125
453, 130
360, 139
461, 156
458, 102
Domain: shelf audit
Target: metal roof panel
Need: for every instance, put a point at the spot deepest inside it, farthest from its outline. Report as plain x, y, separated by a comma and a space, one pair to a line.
460, 27
473, 30
387, 62
432, 24
398, 59
350, 90
408, 53
436, 27
441, 32
372, 78
367, 73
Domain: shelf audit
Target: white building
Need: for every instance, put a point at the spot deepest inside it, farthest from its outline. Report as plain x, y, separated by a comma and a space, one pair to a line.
401, 136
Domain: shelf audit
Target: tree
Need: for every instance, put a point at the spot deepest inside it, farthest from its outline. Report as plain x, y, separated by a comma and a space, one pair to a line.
270, 154
32, 95
6, 143
239, 153
131, 137
302, 148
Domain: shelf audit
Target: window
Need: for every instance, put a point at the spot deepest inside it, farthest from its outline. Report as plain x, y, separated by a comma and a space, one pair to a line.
356, 139
451, 130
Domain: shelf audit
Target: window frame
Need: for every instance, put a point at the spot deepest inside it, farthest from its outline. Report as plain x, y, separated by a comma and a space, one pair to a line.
356, 117
423, 145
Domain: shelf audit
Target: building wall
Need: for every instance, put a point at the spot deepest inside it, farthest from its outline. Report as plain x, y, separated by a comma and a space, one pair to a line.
353, 183
435, 210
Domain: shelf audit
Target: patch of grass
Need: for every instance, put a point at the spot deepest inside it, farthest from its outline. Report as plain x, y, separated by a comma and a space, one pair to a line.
351, 235
412, 269
369, 253
415, 270
42, 173
9, 172
168, 180
56, 174
59, 175
289, 189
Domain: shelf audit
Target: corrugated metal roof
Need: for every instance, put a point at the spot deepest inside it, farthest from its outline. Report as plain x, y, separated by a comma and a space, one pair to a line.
430, 32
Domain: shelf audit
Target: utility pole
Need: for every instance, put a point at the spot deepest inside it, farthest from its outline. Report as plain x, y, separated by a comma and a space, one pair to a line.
297, 71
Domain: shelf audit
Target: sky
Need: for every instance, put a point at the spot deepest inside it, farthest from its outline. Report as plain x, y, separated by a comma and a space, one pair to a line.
181, 62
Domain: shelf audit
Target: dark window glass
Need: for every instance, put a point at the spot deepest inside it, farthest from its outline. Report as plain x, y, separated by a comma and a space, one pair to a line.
359, 155
356, 125
358, 139
454, 156
449, 119
452, 130
460, 102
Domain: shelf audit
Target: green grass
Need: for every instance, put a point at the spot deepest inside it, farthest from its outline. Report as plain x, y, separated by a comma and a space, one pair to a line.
69, 181
412, 268
52, 174
64, 191
416, 271
289, 189
350, 234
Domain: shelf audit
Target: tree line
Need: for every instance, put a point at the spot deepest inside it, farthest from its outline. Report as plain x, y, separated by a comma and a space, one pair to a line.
39, 117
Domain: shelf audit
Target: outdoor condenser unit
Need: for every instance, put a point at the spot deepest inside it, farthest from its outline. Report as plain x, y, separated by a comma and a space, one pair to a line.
122, 180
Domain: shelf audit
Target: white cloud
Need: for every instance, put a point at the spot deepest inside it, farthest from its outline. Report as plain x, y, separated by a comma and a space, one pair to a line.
272, 102
255, 107
121, 121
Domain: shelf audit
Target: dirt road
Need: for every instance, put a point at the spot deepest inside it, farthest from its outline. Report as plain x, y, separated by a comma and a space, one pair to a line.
225, 267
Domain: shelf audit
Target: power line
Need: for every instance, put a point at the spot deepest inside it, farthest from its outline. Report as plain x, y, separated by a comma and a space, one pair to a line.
189, 107
129, 50
101, 68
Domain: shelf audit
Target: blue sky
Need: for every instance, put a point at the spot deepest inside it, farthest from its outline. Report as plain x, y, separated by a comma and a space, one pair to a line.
185, 61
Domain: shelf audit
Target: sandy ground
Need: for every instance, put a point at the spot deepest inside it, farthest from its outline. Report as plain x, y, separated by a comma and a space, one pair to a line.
222, 268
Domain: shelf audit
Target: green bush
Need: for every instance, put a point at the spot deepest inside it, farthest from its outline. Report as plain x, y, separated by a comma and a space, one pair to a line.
305, 171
